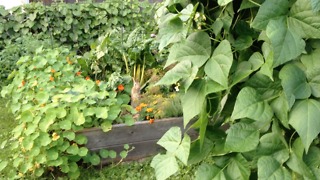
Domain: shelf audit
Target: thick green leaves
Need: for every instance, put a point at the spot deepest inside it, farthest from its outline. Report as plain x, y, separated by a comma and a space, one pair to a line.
249, 104
224, 2
311, 62
171, 31
270, 9
194, 99
280, 107
304, 20
3, 164
164, 165
315, 5
312, 160
286, 44
294, 83
238, 168
304, 118
182, 70
242, 137
245, 68
218, 66
269, 168
209, 172
197, 49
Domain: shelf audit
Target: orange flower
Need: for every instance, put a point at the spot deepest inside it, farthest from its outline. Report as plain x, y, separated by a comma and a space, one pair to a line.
23, 82
78, 73
138, 108
151, 121
87, 78
120, 87
149, 110
98, 82
51, 78
53, 71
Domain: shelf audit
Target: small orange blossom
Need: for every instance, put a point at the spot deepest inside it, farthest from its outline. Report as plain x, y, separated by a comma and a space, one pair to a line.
120, 87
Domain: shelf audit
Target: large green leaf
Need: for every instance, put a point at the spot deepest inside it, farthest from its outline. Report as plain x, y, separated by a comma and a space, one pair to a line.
242, 137
224, 2
312, 160
182, 153
315, 5
182, 70
267, 67
196, 48
270, 9
286, 44
245, 68
238, 168
294, 82
303, 20
273, 144
311, 62
280, 107
164, 165
171, 139
269, 168
171, 31
197, 154
297, 165
218, 66
194, 99
209, 172
249, 104
304, 118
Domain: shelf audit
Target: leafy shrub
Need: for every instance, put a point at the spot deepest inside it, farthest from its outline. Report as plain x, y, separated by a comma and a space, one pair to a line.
76, 25
22, 46
251, 67
51, 100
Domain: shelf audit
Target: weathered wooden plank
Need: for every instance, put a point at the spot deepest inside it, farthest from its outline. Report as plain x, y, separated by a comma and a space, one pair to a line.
123, 134
142, 136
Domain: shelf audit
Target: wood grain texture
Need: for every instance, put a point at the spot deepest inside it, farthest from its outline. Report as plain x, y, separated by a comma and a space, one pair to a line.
142, 136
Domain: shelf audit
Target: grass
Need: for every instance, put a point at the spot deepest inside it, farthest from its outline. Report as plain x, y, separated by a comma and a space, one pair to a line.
138, 170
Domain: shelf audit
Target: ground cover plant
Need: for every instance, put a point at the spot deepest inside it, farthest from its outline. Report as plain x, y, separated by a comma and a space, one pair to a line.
250, 66
51, 100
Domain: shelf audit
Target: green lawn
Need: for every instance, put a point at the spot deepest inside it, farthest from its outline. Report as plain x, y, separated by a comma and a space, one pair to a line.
125, 171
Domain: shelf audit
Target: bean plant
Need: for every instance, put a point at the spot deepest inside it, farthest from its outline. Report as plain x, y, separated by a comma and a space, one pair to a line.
250, 74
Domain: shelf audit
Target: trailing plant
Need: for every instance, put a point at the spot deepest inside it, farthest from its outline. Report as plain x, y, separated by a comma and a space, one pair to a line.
76, 25
52, 100
250, 66
22, 46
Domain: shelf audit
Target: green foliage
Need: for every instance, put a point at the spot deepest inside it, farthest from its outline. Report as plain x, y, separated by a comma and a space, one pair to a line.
22, 46
76, 25
51, 102
251, 66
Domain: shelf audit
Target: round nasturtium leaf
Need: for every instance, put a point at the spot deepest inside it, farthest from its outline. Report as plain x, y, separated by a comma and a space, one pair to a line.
83, 151
95, 159
73, 149
69, 135
104, 153
112, 154
81, 139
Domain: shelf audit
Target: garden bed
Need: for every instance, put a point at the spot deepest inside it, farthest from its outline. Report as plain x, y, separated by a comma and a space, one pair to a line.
143, 136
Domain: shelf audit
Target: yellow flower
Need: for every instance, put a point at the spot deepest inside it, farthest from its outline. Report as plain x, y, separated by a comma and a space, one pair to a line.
143, 105
149, 110
55, 136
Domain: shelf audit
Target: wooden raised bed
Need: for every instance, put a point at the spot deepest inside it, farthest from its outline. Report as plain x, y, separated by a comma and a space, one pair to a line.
142, 136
